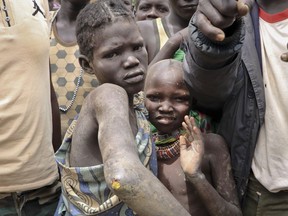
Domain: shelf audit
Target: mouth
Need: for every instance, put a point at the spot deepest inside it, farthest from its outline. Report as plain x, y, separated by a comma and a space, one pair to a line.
189, 7
134, 77
165, 120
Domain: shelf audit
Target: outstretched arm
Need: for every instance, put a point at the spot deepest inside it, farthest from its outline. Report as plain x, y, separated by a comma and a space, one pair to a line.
213, 54
222, 198
171, 46
124, 173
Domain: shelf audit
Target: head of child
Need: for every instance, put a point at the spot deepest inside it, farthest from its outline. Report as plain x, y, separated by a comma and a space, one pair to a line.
111, 45
183, 8
151, 9
167, 97
127, 3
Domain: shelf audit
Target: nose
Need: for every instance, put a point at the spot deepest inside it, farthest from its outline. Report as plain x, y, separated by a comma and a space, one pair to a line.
131, 61
165, 107
152, 14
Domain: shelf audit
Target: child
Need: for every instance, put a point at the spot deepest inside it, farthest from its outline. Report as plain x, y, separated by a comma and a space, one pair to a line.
157, 32
151, 9
204, 162
104, 168
71, 83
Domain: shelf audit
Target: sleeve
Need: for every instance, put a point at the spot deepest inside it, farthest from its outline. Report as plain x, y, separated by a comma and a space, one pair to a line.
211, 68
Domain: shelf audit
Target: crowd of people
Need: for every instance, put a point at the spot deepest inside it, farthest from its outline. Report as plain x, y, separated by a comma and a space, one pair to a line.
145, 107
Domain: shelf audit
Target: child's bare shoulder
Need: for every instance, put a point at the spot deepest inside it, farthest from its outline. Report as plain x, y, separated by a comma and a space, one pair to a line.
215, 145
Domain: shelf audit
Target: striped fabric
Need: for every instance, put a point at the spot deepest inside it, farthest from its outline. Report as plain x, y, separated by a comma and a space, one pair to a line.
84, 189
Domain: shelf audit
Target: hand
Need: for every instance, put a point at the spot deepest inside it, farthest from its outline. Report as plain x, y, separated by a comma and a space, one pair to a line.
212, 16
284, 56
183, 33
191, 148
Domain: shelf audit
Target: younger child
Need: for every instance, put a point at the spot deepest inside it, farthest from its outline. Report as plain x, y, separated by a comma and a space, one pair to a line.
104, 168
196, 170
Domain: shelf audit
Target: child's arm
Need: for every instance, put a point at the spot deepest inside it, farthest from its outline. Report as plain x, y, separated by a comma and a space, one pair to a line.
220, 199
124, 173
171, 46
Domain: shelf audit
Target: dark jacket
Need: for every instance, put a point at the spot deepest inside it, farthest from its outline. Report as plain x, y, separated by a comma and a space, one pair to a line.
226, 77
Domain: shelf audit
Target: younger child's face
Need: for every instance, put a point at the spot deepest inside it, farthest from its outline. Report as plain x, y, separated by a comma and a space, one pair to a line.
167, 99
152, 9
119, 56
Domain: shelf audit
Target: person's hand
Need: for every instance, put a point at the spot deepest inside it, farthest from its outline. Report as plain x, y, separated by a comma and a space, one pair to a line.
284, 56
183, 33
191, 148
212, 16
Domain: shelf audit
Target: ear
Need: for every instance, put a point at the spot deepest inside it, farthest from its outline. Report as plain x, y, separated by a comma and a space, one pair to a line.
85, 64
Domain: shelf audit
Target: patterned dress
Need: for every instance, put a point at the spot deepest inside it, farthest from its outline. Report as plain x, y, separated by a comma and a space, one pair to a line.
84, 190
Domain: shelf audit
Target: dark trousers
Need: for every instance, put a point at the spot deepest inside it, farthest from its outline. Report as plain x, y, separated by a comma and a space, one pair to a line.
261, 202
39, 202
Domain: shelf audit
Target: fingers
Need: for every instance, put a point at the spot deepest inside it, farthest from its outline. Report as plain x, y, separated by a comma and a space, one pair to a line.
208, 29
182, 143
249, 3
212, 16
197, 133
242, 8
187, 126
193, 132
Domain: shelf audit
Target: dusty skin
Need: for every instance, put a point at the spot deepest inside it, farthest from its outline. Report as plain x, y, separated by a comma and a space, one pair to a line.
214, 192
131, 181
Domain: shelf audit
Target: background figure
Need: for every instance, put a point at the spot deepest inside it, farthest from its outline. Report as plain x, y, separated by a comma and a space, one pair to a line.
151, 9
28, 170
71, 83
157, 32
127, 3
209, 188
243, 76
54, 5
107, 159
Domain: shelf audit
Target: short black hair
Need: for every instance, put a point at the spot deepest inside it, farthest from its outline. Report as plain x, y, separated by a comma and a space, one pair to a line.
94, 17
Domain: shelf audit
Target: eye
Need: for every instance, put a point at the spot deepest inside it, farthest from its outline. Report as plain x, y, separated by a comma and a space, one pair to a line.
153, 98
181, 99
138, 47
126, 2
144, 8
163, 9
110, 55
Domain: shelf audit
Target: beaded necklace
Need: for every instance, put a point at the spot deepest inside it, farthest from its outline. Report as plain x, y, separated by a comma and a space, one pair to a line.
167, 146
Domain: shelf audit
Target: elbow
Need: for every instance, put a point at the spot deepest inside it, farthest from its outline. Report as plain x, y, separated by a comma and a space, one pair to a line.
123, 179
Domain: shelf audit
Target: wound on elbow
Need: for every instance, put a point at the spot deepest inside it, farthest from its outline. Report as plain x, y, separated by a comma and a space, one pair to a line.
115, 184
